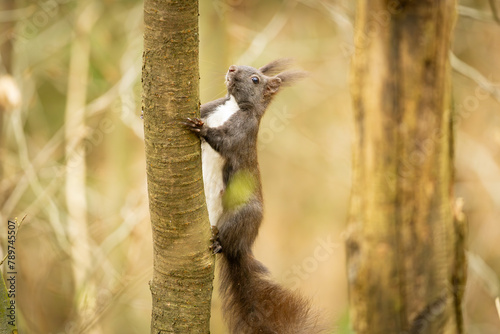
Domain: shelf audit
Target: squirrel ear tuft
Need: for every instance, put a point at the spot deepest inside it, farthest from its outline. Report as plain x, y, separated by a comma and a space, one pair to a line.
273, 85
276, 66
290, 77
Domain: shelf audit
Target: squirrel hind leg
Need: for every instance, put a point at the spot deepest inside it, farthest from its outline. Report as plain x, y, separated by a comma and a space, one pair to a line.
215, 247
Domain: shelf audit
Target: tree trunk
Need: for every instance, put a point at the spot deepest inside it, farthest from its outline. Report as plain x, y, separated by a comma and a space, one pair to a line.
6, 51
405, 253
183, 265
7, 42
77, 225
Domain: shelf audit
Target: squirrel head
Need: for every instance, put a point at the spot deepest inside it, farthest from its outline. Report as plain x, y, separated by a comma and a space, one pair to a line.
257, 87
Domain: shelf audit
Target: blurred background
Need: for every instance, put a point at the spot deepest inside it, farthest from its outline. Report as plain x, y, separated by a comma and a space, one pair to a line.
72, 153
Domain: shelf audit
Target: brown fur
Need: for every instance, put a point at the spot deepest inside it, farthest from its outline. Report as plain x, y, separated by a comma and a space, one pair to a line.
252, 303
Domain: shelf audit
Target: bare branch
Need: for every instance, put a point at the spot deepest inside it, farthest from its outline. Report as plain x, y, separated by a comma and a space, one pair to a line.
484, 272
473, 74
474, 14
479, 15
267, 34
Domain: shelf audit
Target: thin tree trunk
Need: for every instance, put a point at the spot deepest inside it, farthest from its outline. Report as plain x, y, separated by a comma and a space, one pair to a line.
6, 37
76, 170
183, 265
405, 253
6, 51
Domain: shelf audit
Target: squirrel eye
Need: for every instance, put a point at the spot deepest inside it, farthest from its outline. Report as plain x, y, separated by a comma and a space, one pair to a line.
255, 80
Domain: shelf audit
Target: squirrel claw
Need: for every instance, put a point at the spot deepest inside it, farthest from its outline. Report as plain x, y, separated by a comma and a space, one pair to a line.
194, 124
215, 247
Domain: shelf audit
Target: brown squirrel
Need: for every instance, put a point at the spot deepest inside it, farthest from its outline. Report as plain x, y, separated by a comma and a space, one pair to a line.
228, 128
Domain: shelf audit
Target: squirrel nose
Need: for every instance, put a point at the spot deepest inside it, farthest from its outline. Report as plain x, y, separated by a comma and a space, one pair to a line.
232, 68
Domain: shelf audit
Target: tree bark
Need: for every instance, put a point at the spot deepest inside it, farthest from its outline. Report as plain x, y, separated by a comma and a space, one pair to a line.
405, 250
183, 265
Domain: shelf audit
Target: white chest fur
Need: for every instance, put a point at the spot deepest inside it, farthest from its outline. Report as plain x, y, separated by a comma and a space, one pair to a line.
213, 162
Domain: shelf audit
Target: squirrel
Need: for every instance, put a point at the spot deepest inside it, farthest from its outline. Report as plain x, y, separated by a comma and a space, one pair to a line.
228, 130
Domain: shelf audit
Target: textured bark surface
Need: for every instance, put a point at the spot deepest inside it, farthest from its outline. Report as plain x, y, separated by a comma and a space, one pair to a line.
183, 266
405, 252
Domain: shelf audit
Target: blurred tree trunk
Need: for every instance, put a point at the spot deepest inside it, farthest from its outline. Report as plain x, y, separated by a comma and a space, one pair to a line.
405, 250
77, 225
6, 50
183, 265
6, 41
6, 86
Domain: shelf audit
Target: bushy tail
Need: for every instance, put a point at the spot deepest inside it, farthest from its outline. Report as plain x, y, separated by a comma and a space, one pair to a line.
254, 304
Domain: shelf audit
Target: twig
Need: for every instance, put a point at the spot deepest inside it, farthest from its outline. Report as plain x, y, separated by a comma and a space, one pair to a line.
484, 272
263, 38
475, 14
473, 74
32, 180
339, 17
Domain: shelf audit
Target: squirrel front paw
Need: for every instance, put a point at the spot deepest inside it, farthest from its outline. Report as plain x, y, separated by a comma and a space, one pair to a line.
194, 124
215, 247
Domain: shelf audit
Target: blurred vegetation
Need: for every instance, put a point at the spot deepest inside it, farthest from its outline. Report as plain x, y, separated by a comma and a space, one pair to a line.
95, 280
